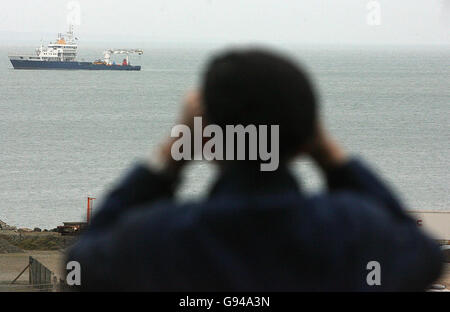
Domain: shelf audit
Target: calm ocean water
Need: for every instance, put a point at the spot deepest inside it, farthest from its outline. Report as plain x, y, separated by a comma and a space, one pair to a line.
67, 134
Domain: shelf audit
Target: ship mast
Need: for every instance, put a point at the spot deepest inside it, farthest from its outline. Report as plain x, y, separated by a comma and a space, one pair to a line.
70, 37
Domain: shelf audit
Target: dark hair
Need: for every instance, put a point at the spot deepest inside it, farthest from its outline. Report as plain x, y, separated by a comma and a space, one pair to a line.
261, 88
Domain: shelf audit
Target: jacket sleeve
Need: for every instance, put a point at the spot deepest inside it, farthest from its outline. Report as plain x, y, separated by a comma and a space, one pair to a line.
141, 185
357, 177
410, 259
95, 250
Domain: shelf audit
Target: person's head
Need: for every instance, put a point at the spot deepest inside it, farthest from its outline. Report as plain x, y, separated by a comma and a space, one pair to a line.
259, 87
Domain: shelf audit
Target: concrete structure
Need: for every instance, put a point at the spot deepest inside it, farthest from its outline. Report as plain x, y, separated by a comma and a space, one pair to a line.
437, 223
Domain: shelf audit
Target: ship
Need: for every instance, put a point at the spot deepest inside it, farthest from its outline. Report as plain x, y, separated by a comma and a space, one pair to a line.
62, 54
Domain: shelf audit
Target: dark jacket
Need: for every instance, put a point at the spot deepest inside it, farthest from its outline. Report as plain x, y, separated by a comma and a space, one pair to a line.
256, 231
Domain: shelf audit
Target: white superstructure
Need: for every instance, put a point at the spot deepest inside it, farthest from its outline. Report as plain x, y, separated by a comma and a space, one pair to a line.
64, 49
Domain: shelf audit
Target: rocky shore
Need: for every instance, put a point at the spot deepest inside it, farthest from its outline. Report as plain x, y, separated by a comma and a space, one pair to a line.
17, 240
4, 226
6, 247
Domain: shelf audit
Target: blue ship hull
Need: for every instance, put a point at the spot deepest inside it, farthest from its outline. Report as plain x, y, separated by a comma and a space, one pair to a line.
26, 64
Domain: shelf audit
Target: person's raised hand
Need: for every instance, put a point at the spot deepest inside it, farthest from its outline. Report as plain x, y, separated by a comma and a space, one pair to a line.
191, 107
325, 150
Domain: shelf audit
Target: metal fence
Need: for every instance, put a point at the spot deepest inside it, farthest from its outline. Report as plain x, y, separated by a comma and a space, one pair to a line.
40, 278
39, 274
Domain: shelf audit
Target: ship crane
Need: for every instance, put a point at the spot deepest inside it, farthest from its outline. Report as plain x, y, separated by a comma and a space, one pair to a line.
107, 54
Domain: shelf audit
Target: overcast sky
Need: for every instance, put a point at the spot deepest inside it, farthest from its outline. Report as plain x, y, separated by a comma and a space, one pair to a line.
225, 21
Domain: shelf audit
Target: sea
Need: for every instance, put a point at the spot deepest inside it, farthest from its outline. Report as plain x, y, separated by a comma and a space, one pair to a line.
67, 135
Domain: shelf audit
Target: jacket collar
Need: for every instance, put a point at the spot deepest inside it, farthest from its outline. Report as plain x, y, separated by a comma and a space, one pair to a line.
237, 178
